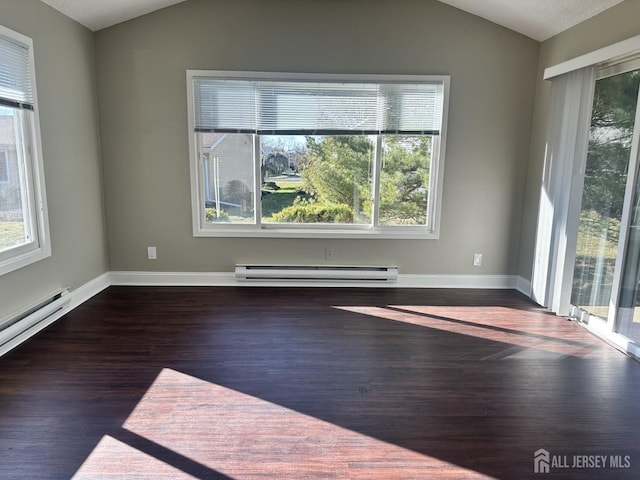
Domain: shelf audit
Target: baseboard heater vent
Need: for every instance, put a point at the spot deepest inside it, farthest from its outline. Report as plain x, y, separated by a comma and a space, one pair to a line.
18, 328
317, 273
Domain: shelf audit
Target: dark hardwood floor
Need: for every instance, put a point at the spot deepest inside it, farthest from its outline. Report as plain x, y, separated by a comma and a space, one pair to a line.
269, 383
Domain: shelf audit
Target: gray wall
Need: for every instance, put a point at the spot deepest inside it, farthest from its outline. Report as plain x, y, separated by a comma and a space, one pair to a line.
494, 154
65, 75
611, 26
142, 105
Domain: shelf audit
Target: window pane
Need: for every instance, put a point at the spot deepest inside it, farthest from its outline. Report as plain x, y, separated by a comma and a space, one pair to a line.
14, 196
228, 177
404, 179
317, 179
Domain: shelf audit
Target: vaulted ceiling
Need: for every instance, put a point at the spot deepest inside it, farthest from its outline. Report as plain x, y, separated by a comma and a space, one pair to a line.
538, 19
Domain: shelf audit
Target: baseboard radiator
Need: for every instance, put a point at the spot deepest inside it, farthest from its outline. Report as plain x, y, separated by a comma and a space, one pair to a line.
316, 273
18, 328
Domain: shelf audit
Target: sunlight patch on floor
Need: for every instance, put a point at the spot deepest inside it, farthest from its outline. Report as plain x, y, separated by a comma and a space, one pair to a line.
529, 322
114, 459
484, 324
245, 437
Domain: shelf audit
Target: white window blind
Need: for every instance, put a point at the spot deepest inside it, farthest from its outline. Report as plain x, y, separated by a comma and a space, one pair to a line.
16, 88
561, 193
301, 107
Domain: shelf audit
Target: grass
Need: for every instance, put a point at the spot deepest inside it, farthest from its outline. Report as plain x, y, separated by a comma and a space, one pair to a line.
589, 245
11, 234
591, 248
277, 201
588, 249
592, 227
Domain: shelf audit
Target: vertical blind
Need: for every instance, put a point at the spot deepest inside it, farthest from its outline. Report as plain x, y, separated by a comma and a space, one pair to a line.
16, 88
298, 107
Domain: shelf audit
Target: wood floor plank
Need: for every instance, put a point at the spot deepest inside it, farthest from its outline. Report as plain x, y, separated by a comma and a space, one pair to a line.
306, 383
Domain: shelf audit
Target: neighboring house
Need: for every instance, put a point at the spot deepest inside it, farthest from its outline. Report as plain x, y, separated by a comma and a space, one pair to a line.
228, 167
10, 200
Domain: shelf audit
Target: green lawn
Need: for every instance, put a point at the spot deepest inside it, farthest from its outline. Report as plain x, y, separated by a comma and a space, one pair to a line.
11, 234
590, 233
277, 200
589, 245
597, 241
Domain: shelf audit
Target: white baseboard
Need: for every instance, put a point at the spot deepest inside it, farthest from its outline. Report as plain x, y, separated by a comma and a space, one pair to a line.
456, 281
67, 302
85, 292
404, 281
186, 279
523, 285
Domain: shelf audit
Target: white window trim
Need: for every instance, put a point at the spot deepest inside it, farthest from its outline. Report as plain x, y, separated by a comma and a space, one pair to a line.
616, 51
40, 248
201, 229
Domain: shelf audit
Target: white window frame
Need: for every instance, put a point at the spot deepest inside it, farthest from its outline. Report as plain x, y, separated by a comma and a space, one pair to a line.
39, 246
429, 231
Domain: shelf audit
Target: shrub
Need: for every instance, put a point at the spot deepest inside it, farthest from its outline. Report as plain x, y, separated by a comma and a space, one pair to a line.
308, 212
210, 216
237, 192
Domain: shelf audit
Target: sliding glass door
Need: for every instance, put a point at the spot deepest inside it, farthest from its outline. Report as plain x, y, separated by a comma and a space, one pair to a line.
606, 274
608, 168
587, 252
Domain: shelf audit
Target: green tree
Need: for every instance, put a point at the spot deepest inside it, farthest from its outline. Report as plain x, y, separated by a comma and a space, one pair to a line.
615, 101
612, 122
404, 179
275, 163
339, 172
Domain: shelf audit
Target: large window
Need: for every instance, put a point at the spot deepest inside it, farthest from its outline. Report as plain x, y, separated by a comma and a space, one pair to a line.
316, 155
23, 220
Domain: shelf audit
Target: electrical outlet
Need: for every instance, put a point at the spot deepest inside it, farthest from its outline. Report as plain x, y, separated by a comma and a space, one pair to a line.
328, 254
151, 253
477, 259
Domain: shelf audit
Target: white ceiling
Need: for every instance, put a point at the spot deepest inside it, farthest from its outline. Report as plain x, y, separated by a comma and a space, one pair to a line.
98, 14
538, 19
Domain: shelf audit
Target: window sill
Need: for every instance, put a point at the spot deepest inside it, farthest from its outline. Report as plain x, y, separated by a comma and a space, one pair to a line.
21, 260
396, 234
